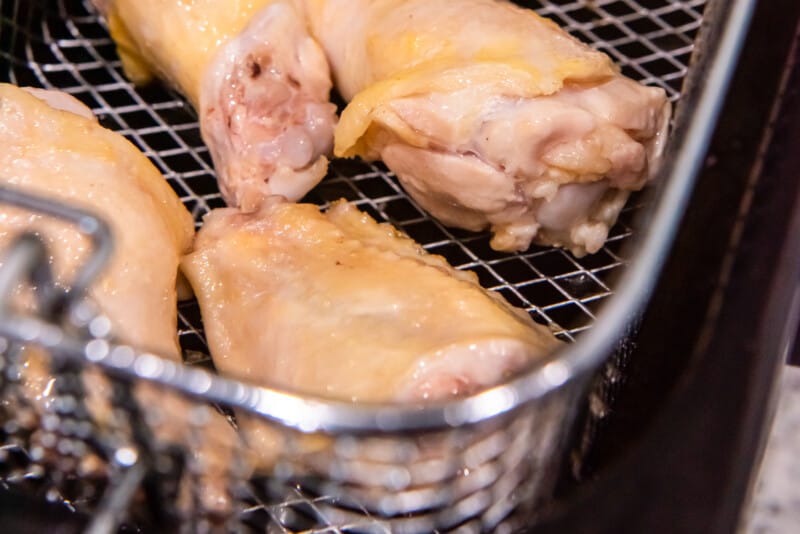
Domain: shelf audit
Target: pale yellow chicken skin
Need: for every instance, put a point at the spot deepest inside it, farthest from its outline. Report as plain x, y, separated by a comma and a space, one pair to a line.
259, 82
491, 116
51, 145
68, 156
340, 306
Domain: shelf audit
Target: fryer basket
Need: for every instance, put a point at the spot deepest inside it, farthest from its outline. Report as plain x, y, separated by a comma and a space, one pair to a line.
488, 462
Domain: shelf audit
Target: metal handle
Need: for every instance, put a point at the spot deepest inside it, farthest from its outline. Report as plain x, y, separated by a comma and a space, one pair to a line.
24, 259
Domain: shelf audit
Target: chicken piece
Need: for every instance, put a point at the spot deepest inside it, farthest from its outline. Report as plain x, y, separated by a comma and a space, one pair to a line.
259, 83
340, 306
491, 116
53, 146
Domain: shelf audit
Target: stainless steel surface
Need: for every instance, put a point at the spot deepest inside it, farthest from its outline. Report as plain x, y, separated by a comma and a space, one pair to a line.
479, 459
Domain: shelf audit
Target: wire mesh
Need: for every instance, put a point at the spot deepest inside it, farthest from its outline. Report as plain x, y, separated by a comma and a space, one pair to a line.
62, 45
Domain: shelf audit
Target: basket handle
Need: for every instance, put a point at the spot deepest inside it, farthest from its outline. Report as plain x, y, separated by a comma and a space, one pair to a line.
23, 260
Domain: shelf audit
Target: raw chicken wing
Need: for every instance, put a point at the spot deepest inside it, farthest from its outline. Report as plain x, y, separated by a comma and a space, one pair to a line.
491, 116
340, 306
51, 145
259, 83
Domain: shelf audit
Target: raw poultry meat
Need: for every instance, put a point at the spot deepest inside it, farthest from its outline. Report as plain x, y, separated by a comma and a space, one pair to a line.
259, 83
51, 145
340, 306
491, 116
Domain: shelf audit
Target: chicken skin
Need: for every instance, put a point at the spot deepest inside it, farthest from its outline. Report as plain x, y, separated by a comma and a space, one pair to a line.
259, 83
340, 306
491, 116
51, 145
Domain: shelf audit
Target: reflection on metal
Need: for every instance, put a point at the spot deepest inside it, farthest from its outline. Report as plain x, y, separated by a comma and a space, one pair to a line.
478, 463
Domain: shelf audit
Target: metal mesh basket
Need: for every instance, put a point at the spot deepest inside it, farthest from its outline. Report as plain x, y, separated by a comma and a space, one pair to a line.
481, 463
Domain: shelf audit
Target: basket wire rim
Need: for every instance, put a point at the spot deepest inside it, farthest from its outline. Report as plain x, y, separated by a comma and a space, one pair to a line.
570, 363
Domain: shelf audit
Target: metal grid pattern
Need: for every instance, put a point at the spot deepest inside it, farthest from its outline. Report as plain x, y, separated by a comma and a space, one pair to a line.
61, 44
464, 479
652, 40
486, 480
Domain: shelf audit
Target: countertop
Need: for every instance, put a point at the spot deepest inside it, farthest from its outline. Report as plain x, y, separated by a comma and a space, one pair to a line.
775, 505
